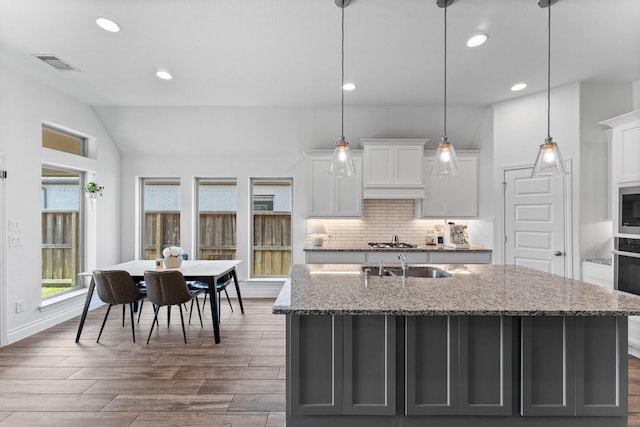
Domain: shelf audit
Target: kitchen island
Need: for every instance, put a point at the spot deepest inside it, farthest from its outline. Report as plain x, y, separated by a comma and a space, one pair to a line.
491, 345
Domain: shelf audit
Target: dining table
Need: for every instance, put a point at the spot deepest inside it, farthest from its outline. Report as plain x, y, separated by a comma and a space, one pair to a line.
197, 270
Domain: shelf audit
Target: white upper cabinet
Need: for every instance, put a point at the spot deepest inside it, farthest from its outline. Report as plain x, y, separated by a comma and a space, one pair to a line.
625, 148
331, 196
393, 168
450, 196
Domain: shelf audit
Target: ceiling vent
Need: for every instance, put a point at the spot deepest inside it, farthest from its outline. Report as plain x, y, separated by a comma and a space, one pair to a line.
56, 63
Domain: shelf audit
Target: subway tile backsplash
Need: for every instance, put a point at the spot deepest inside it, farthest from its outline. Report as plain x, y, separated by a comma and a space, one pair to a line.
382, 219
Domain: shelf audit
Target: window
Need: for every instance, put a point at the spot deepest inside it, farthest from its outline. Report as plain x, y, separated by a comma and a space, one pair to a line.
217, 205
160, 216
62, 141
62, 230
271, 227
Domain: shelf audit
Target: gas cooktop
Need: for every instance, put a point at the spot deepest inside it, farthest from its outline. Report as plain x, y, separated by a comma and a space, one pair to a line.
399, 245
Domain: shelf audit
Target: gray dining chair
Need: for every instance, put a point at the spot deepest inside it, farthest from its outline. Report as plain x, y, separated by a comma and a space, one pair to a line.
116, 287
167, 288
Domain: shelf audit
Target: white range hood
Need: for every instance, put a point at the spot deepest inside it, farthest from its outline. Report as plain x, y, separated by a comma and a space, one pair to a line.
392, 168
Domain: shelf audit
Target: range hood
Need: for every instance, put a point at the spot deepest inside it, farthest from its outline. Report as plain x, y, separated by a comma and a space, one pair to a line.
392, 168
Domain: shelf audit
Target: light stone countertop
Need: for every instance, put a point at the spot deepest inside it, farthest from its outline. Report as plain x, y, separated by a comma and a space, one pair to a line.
478, 289
425, 248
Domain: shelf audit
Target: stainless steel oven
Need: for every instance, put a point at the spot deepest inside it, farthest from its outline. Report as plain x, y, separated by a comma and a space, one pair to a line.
629, 210
627, 264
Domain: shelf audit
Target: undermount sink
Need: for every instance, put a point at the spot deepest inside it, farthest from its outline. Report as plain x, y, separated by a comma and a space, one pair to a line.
417, 271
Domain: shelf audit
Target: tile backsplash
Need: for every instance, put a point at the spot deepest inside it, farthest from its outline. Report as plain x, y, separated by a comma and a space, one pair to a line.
382, 219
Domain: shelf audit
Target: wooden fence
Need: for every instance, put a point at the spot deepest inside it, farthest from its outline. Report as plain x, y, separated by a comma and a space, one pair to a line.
60, 242
271, 238
271, 243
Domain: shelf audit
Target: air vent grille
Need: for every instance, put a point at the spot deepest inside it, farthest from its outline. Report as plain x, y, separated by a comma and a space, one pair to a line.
56, 63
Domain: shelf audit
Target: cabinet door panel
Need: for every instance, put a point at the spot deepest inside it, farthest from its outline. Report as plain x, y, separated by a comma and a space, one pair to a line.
320, 186
601, 366
436, 192
369, 365
409, 165
485, 365
315, 360
348, 193
464, 189
379, 165
548, 386
431, 372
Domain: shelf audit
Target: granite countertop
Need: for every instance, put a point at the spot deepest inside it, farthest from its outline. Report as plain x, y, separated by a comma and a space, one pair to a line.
480, 289
604, 261
425, 248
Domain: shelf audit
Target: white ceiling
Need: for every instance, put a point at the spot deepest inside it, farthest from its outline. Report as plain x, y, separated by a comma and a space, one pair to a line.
287, 52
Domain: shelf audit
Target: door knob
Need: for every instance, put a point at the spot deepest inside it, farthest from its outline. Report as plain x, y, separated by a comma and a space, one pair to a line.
558, 253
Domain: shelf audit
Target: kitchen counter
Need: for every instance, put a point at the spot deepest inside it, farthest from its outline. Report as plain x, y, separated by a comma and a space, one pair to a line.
491, 345
485, 290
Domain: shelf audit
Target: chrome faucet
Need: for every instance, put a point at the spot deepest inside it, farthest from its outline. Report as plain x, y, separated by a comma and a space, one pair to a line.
394, 239
403, 264
381, 269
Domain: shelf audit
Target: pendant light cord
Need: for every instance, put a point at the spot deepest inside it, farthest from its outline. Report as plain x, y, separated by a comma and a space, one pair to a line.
549, 74
342, 83
445, 71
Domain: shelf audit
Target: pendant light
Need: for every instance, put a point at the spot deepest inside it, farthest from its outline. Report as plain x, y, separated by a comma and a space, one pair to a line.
445, 161
342, 162
549, 160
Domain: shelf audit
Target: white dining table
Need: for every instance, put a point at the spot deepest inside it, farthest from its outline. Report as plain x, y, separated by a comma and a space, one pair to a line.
204, 271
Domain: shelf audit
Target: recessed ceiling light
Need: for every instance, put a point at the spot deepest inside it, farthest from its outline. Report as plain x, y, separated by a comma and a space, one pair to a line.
164, 75
348, 86
108, 25
518, 86
477, 40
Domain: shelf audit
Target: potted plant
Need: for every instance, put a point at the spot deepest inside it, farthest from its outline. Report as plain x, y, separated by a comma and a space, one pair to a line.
93, 189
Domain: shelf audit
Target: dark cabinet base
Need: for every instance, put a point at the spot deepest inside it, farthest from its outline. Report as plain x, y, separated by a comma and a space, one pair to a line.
456, 371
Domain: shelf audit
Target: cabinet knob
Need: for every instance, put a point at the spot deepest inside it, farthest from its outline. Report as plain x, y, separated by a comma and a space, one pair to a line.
558, 253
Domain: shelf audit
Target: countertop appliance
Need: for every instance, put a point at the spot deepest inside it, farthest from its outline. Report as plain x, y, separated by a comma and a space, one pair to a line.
627, 264
455, 236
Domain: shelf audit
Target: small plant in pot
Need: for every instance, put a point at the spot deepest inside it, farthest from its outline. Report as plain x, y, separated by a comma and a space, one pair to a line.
172, 256
93, 189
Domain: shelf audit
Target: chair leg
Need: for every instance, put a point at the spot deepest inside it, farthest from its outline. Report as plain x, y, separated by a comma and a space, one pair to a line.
199, 313
156, 309
133, 331
184, 333
124, 309
191, 309
140, 309
204, 303
104, 321
218, 302
168, 315
228, 299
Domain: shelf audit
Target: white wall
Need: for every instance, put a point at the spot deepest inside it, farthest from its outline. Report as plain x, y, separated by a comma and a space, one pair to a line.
636, 95
24, 105
481, 230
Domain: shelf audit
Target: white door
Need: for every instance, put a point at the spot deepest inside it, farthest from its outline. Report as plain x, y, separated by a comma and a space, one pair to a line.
534, 221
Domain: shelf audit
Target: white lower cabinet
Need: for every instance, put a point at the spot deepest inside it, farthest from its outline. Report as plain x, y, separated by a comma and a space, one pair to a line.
374, 257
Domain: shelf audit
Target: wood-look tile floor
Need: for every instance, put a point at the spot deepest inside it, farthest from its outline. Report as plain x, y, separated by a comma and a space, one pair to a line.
49, 380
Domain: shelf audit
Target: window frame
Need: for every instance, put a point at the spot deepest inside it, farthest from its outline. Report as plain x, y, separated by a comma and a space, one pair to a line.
210, 180
141, 218
82, 227
83, 140
252, 182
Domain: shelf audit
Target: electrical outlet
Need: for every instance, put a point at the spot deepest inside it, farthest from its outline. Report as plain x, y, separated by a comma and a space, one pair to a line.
15, 240
20, 306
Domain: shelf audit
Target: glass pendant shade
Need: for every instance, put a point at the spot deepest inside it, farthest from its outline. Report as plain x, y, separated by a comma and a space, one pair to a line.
445, 161
549, 160
342, 162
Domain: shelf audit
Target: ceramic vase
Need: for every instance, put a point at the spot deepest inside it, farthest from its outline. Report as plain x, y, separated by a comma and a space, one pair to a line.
173, 261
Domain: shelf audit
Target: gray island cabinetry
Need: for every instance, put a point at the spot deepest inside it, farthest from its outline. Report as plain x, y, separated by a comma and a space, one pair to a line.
489, 345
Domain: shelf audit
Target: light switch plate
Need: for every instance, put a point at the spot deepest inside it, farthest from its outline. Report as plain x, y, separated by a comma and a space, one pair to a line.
15, 240
15, 225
